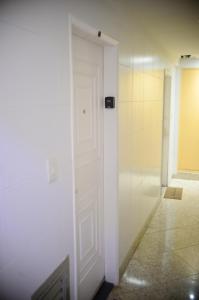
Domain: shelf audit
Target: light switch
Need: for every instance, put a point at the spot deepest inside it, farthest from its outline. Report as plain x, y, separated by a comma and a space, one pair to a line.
52, 169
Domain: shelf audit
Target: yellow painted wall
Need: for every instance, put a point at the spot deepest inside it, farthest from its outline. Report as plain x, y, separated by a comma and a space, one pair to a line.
188, 158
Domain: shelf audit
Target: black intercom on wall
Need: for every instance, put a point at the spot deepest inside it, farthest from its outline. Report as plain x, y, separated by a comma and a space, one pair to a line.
109, 102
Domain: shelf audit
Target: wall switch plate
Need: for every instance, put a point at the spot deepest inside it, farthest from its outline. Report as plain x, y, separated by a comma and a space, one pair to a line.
52, 169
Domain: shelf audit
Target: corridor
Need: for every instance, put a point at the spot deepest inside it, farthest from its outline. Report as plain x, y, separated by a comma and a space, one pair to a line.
166, 263
90, 115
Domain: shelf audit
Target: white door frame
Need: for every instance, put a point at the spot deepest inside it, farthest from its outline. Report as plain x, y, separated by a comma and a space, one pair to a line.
111, 230
166, 128
174, 122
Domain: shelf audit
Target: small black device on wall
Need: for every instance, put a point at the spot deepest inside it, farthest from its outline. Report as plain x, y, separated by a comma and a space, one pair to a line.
109, 102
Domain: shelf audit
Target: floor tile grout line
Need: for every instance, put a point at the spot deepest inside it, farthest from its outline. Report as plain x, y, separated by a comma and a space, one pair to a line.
169, 230
162, 230
181, 258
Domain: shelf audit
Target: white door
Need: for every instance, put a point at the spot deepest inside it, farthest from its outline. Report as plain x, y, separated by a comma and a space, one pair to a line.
88, 148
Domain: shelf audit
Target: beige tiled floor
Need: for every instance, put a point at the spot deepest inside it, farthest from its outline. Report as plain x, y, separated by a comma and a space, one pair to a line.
166, 263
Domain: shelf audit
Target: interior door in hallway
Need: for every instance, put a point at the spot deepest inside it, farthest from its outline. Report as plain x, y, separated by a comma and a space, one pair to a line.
88, 154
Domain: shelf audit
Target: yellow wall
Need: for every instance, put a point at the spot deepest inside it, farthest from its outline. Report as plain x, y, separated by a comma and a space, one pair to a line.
189, 121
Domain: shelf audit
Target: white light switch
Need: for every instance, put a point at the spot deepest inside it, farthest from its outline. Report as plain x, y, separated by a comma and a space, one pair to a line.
52, 169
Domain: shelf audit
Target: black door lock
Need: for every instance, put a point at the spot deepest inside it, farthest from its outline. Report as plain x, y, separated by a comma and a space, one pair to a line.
109, 102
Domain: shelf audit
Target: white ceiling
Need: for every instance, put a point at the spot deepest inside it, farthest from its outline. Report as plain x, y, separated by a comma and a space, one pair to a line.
173, 23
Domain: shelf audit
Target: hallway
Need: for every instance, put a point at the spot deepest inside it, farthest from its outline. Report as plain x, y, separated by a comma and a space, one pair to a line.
79, 175
166, 263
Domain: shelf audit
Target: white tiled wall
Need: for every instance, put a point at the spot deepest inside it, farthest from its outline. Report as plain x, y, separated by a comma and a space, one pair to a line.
140, 133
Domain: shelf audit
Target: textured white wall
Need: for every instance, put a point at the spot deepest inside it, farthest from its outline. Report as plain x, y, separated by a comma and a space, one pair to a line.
36, 225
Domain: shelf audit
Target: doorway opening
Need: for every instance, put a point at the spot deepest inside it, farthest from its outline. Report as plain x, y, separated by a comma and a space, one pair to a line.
188, 142
184, 143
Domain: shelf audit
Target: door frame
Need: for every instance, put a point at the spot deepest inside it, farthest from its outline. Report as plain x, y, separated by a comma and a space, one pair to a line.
175, 113
170, 143
174, 122
166, 128
111, 219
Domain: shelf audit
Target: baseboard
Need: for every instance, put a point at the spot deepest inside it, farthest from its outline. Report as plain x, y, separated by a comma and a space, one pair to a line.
187, 175
137, 241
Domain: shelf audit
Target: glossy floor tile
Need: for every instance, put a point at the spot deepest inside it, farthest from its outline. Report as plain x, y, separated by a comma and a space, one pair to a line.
190, 255
166, 262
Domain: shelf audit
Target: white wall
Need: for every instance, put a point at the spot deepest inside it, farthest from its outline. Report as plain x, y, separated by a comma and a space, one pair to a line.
36, 230
140, 147
36, 225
